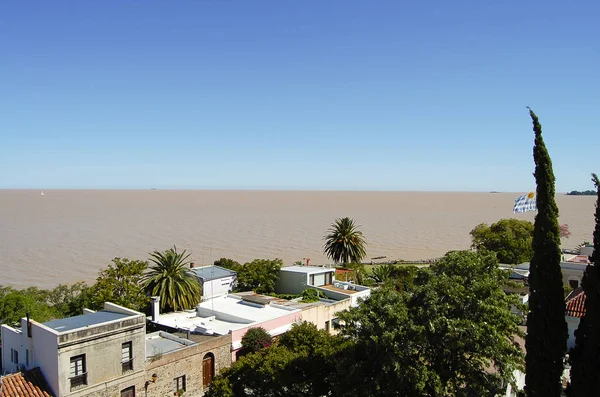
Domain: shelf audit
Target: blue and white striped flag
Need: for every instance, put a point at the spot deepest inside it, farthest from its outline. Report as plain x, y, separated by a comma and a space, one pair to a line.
525, 203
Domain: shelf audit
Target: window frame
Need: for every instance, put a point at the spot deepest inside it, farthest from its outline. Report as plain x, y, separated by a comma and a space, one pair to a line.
127, 364
180, 379
78, 378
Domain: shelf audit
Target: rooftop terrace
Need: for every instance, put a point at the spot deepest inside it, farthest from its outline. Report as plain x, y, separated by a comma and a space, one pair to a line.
84, 320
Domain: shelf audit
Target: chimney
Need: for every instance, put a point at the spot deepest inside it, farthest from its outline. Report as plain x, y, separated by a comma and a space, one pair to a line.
191, 265
28, 326
155, 307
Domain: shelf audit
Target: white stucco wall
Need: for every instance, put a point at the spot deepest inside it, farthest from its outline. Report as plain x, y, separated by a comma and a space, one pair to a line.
572, 324
218, 287
45, 350
291, 283
319, 314
11, 339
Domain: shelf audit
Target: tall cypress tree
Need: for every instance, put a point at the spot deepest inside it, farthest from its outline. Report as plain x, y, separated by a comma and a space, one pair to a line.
547, 334
585, 356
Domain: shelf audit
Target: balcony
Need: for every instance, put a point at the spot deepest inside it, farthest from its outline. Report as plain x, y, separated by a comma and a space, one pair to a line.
78, 381
127, 366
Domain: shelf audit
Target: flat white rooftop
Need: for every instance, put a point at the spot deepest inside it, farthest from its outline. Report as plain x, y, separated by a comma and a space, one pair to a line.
224, 314
158, 343
307, 269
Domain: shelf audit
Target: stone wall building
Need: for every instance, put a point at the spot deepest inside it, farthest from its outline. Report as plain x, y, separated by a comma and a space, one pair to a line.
108, 353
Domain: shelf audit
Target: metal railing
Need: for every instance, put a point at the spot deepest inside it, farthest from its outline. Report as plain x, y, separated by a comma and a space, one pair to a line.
127, 365
79, 380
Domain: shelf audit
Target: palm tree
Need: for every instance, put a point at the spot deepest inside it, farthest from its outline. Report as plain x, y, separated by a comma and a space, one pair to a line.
344, 243
383, 273
170, 278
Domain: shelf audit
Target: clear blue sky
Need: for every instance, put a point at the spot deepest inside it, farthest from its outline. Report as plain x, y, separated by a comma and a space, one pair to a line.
299, 94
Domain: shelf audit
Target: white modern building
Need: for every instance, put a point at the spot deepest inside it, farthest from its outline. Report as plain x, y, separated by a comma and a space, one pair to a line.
296, 279
215, 280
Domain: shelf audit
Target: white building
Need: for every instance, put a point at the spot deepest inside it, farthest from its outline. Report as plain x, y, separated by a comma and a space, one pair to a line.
107, 353
572, 272
215, 280
296, 279
230, 314
83, 354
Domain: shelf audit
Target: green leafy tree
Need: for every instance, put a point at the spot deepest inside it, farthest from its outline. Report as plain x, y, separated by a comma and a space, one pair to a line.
382, 273
585, 357
121, 283
359, 274
312, 295
255, 339
228, 264
170, 278
510, 239
300, 365
15, 304
441, 339
547, 334
70, 300
259, 275
344, 243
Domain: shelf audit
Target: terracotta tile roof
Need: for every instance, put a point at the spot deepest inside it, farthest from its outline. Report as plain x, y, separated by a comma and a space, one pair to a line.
25, 384
575, 303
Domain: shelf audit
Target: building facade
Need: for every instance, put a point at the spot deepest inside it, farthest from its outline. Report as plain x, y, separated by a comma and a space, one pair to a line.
108, 353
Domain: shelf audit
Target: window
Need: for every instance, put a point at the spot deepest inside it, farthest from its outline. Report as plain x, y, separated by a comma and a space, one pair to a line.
14, 356
27, 357
78, 375
327, 326
180, 383
574, 283
126, 357
129, 392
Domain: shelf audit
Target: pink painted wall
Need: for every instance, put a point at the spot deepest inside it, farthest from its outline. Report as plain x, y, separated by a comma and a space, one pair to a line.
288, 319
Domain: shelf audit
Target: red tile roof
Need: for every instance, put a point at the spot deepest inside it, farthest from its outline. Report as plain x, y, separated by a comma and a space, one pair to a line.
25, 384
575, 304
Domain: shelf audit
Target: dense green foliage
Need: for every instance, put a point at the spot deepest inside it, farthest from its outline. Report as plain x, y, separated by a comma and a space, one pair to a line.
312, 295
70, 300
228, 264
301, 364
510, 239
344, 243
41, 304
120, 283
547, 333
256, 339
171, 279
585, 357
439, 339
259, 275
382, 273
582, 193
15, 304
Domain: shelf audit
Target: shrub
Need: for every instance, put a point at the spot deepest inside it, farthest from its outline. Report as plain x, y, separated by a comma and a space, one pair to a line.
256, 339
